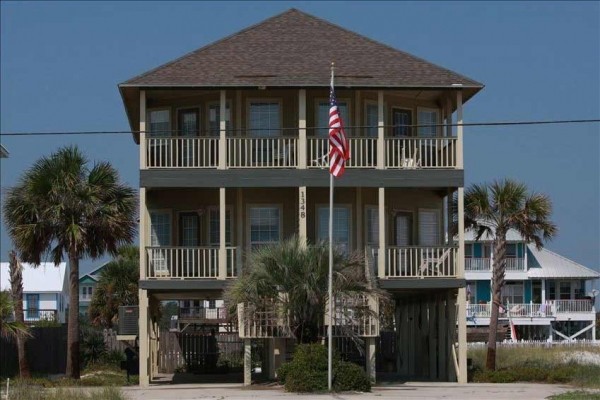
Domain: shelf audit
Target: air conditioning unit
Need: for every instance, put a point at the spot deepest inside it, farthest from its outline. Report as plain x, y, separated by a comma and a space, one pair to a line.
128, 320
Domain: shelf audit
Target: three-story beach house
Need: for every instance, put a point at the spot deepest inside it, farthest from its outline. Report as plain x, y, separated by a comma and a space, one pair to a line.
233, 145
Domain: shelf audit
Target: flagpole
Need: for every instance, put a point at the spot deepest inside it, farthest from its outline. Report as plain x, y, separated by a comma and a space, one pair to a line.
330, 331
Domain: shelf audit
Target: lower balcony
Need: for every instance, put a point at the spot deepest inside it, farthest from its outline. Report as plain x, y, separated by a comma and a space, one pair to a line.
551, 308
189, 262
515, 264
418, 261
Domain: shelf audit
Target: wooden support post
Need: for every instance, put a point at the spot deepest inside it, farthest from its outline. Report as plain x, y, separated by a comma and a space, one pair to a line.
223, 131
144, 338
239, 215
459, 130
222, 238
462, 334
359, 220
380, 132
371, 361
302, 141
302, 214
143, 144
451, 333
381, 257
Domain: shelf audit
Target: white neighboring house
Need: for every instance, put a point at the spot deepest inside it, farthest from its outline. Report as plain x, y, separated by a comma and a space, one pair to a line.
45, 291
547, 296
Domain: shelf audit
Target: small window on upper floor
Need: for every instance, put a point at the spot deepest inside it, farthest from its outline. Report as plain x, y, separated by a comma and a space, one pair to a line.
159, 123
428, 119
468, 250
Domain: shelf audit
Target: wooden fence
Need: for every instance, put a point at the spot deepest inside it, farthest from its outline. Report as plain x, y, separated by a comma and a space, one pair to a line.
199, 352
46, 352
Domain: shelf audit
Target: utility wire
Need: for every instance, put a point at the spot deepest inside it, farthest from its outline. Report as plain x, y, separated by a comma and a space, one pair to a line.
505, 123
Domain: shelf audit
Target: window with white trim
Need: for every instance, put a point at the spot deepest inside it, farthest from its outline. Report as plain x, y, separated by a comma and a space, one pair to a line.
429, 227
159, 123
512, 292
565, 290
189, 229
265, 119
265, 226
403, 228
401, 122
430, 118
341, 226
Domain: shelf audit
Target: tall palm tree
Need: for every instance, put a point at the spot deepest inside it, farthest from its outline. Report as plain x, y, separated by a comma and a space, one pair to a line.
117, 286
69, 210
297, 276
9, 327
15, 271
493, 209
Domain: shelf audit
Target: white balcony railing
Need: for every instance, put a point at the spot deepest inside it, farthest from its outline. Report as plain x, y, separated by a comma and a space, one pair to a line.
267, 152
421, 262
515, 264
435, 152
182, 152
182, 262
363, 152
233, 261
478, 264
572, 306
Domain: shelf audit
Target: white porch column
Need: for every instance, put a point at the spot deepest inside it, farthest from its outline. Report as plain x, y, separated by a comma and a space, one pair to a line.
370, 354
461, 302
302, 207
239, 223
448, 117
460, 264
222, 238
247, 362
459, 130
359, 220
543, 291
143, 144
381, 257
380, 132
223, 131
302, 142
144, 338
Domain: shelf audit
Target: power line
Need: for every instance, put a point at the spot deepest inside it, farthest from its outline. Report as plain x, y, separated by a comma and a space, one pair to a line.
502, 123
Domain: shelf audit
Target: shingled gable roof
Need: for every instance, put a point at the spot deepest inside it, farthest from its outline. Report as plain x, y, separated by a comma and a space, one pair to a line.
295, 49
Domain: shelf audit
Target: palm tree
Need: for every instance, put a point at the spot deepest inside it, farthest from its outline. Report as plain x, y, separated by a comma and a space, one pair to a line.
117, 286
15, 270
493, 209
65, 208
10, 328
297, 276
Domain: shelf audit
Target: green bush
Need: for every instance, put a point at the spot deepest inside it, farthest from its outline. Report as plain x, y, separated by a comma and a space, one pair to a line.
349, 376
113, 357
307, 372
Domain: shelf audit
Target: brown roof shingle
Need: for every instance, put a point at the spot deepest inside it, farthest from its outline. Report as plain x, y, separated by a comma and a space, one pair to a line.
296, 49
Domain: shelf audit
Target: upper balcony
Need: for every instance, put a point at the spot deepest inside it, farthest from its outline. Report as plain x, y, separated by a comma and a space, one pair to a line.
290, 152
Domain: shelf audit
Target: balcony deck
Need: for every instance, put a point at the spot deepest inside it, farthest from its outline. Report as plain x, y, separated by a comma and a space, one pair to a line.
534, 313
284, 152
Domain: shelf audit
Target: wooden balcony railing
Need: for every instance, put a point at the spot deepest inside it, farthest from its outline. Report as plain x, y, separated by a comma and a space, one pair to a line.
358, 314
435, 152
267, 152
572, 306
201, 314
189, 262
182, 152
36, 315
363, 152
421, 262
267, 321
478, 264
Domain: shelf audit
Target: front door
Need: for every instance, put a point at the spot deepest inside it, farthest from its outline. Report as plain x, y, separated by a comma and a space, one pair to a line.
189, 239
188, 127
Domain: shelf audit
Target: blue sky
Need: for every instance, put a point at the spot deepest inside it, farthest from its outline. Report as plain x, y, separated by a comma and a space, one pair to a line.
61, 63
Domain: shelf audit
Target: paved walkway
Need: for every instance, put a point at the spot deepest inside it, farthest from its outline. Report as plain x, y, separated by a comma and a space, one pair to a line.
417, 390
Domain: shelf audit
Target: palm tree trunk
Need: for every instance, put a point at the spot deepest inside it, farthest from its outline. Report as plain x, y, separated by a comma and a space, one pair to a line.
16, 282
497, 283
73, 366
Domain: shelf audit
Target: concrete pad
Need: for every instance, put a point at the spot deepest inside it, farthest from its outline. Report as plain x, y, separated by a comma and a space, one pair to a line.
411, 390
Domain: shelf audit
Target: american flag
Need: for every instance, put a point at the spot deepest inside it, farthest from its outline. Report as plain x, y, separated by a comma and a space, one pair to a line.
339, 151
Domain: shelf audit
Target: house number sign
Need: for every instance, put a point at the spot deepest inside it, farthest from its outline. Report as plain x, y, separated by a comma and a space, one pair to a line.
302, 204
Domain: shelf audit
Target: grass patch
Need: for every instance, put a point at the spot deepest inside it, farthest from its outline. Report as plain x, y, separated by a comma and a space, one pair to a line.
544, 365
28, 392
576, 395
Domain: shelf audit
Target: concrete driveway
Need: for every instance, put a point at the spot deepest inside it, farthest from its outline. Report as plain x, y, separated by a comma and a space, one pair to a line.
417, 390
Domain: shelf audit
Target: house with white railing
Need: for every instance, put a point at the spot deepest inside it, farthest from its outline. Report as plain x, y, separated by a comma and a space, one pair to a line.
545, 295
233, 147
45, 291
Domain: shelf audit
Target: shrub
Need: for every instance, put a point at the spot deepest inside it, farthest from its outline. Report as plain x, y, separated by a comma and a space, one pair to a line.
92, 345
307, 372
349, 376
113, 357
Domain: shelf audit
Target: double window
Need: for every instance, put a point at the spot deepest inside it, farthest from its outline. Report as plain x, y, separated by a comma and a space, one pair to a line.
512, 292
429, 227
401, 122
428, 120
265, 119
159, 123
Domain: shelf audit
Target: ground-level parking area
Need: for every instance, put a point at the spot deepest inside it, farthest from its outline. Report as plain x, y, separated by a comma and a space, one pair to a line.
417, 390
